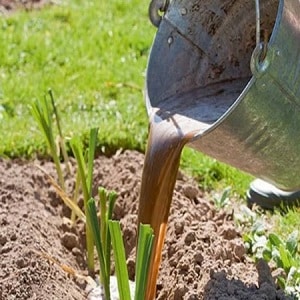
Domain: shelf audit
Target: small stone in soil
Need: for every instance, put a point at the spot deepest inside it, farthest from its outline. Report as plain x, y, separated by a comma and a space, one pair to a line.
179, 226
3, 239
13, 236
69, 240
198, 258
229, 233
190, 191
6, 248
180, 291
189, 238
20, 262
76, 251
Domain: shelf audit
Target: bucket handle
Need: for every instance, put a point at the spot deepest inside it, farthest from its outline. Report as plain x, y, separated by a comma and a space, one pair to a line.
259, 62
156, 9
257, 14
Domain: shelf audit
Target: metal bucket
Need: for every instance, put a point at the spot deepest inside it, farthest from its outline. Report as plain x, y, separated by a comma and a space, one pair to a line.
241, 95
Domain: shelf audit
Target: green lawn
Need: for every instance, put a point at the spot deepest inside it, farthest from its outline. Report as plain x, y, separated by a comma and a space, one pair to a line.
93, 55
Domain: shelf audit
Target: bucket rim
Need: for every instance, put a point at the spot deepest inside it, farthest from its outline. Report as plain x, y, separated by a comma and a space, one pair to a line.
256, 73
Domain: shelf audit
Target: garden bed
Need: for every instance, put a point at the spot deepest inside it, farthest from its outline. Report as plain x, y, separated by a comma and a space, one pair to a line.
203, 257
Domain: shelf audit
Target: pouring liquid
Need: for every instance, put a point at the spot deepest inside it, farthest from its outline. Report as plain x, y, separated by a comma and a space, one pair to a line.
158, 180
168, 133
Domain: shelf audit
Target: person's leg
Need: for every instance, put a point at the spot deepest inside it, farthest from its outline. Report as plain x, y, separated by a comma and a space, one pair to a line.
268, 196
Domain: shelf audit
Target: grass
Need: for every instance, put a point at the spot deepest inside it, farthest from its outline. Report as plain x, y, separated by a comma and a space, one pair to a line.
93, 55
285, 224
212, 174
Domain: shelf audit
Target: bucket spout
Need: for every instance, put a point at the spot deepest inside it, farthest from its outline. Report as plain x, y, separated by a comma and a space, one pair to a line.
241, 96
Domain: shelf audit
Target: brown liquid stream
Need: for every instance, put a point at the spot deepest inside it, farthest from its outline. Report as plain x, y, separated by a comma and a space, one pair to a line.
171, 127
165, 144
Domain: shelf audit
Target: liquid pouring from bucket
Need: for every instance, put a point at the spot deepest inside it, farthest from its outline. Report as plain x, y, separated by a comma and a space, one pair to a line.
233, 69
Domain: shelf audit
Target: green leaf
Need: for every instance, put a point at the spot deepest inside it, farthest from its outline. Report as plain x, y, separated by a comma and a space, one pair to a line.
281, 282
277, 258
222, 201
42, 114
292, 274
120, 260
285, 257
247, 238
107, 201
103, 220
94, 225
292, 242
267, 255
91, 156
111, 200
275, 240
77, 149
112, 197
144, 250
61, 137
258, 228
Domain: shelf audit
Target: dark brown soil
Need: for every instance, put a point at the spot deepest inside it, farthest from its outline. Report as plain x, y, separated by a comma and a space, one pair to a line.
8, 6
203, 258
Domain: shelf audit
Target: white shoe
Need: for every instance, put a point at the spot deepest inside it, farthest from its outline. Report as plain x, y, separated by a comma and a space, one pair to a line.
268, 196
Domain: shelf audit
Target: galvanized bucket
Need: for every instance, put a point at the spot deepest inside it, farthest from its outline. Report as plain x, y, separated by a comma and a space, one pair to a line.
232, 69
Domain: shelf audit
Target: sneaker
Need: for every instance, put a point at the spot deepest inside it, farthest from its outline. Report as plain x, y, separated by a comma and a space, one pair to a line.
268, 196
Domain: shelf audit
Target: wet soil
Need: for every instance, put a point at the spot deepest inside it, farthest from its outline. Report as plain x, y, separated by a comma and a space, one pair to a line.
203, 257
